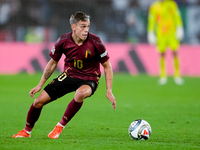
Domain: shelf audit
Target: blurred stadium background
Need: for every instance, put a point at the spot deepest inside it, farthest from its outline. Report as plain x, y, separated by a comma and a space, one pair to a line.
28, 30
117, 22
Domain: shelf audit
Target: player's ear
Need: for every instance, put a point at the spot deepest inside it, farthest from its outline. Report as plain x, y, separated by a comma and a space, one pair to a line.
73, 27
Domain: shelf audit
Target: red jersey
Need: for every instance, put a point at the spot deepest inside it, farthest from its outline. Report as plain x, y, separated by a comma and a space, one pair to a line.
82, 62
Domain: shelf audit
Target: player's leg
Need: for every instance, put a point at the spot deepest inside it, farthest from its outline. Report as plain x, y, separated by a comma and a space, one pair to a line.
72, 108
33, 114
35, 110
84, 90
174, 44
163, 73
47, 95
176, 64
177, 77
162, 45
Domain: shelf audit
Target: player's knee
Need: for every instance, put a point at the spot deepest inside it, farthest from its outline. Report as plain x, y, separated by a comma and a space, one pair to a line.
174, 53
162, 54
38, 104
42, 100
82, 93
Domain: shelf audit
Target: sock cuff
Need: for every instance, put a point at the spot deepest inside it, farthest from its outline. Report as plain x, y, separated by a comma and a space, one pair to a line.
61, 125
29, 132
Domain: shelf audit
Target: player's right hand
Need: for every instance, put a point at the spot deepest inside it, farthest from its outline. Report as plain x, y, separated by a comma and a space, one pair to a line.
151, 37
34, 90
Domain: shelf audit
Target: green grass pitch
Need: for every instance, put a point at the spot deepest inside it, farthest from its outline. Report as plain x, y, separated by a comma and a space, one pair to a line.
173, 112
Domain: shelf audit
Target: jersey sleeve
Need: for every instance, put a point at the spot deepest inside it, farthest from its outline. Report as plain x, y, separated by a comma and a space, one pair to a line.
55, 52
103, 53
177, 16
151, 19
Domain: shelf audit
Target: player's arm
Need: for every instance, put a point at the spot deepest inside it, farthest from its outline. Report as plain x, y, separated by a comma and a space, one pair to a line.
179, 23
151, 19
49, 69
151, 37
177, 15
109, 79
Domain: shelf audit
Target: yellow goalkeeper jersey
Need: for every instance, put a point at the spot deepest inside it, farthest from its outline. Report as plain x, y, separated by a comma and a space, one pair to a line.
164, 17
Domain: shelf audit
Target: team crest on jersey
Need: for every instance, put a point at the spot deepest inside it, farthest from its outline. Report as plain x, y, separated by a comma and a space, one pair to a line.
53, 50
87, 53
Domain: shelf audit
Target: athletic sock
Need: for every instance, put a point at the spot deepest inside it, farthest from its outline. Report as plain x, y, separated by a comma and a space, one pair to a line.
162, 67
29, 132
32, 117
72, 108
60, 125
176, 67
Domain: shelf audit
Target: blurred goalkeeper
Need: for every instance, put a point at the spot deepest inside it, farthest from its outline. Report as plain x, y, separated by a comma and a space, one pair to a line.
165, 29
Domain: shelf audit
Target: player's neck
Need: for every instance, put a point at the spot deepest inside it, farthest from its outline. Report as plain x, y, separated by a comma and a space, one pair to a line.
77, 40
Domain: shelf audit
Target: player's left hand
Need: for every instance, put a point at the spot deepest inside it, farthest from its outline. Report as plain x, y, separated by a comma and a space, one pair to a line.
111, 97
179, 33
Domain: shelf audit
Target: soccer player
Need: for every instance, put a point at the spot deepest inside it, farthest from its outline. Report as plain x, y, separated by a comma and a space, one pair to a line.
84, 52
165, 29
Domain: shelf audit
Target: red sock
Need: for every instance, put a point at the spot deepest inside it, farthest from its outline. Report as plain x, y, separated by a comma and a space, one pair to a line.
32, 117
72, 108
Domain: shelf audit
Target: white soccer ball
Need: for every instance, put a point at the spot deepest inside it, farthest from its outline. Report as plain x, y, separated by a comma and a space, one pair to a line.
139, 130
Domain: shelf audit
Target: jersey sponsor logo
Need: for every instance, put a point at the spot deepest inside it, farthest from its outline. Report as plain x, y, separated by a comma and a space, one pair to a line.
104, 54
87, 53
53, 50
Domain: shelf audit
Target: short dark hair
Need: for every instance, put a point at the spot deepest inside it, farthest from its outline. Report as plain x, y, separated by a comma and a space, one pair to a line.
78, 16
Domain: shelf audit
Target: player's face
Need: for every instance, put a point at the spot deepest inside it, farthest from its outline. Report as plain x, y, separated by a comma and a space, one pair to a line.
81, 29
